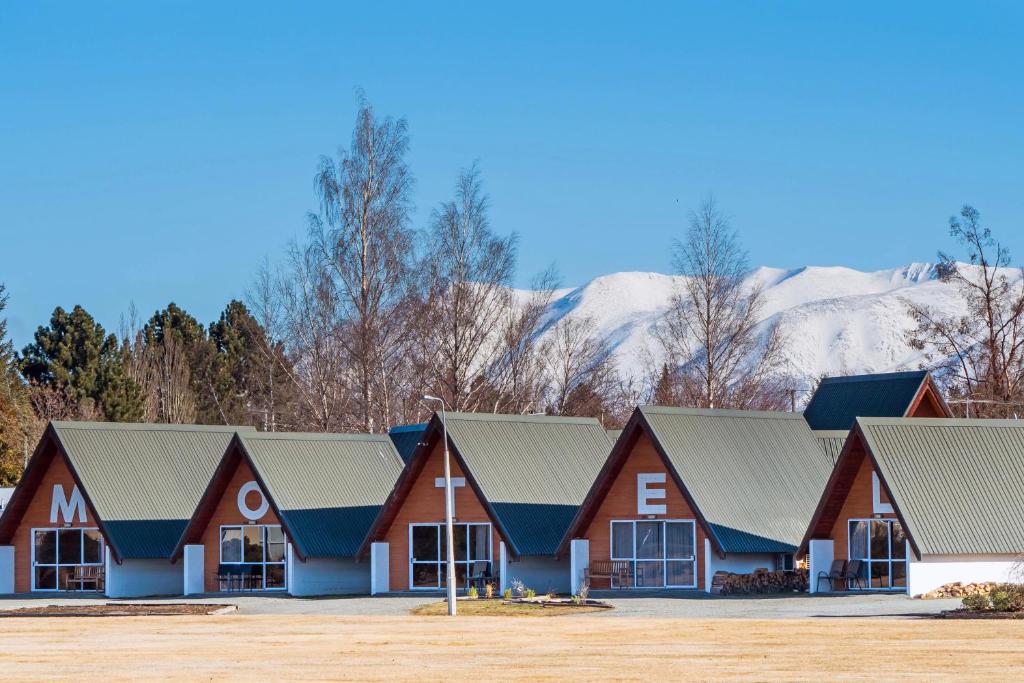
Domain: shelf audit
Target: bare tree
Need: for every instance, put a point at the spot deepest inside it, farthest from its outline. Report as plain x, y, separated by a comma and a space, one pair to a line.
582, 377
980, 355
363, 235
518, 374
320, 373
710, 331
273, 373
470, 272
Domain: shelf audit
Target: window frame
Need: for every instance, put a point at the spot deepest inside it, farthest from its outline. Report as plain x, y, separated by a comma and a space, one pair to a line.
283, 562
664, 551
57, 564
869, 561
442, 562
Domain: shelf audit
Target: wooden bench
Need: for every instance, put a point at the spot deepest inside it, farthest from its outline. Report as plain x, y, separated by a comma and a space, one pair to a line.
85, 576
620, 570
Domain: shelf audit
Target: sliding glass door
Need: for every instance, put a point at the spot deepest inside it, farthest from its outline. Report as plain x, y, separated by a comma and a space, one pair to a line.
428, 554
881, 547
257, 548
57, 553
660, 553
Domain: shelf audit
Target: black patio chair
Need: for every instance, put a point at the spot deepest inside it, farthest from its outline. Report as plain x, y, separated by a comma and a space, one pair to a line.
836, 573
480, 574
853, 571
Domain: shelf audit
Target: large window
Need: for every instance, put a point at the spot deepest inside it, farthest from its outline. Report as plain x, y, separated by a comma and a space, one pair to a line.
428, 554
662, 554
881, 546
260, 548
56, 553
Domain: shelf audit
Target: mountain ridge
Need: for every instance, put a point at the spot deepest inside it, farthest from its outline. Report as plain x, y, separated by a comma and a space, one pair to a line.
837, 320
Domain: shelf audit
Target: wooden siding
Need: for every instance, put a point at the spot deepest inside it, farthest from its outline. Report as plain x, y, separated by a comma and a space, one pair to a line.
37, 515
927, 403
425, 504
857, 503
620, 503
226, 512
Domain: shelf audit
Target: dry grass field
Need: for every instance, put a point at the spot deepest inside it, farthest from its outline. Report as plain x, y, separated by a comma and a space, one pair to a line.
238, 647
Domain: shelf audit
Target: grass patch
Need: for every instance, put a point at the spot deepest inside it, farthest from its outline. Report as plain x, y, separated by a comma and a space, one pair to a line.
115, 609
498, 608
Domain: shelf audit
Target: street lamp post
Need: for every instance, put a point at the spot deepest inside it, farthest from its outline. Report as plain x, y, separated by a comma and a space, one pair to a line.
449, 511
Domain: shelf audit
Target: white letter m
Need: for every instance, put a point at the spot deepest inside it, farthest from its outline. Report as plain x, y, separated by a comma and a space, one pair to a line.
67, 507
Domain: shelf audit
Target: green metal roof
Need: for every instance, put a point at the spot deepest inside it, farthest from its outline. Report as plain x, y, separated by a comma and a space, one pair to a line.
143, 480
754, 476
956, 483
406, 438
327, 487
838, 401
831, 442
533, 471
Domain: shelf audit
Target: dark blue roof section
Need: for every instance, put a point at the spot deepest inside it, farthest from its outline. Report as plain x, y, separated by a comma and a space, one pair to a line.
406, 438
839, 401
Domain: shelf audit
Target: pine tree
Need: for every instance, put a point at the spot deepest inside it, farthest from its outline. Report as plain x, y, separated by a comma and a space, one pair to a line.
75, 355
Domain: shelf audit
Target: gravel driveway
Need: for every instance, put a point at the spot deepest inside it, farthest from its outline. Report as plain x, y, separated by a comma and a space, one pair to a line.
679, 606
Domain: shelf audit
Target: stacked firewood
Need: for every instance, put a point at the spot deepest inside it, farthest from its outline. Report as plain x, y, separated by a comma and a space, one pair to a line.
761, 581
959, 590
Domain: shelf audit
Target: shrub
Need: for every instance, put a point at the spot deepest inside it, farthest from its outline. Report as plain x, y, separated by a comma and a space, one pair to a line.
1014, 596
518, 587
976, 602
1000, 600
489, 590
584, 592
507, 594
472, 592
529, 593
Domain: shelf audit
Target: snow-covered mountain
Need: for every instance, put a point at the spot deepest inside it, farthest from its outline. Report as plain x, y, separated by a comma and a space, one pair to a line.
836, 320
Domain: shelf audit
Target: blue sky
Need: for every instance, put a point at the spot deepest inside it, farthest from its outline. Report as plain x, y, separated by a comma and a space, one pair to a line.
153, 151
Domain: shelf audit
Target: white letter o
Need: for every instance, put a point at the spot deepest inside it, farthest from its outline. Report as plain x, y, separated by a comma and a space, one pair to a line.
246, 511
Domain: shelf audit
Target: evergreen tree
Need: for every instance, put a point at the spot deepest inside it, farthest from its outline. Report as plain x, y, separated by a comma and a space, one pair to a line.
250, 373
75, 355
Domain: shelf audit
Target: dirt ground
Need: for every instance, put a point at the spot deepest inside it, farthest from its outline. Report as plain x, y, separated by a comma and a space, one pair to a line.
117, 610
239, 647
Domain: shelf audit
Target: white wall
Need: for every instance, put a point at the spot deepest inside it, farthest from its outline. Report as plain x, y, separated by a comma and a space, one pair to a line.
193, 565
742, 563
139, 578
6, 569
933, 571
579, 561
380, 568
541, 573
329, 576
504, 580
820, 555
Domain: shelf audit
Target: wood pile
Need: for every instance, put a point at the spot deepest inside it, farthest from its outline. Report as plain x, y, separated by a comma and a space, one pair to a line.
959, 590
760, 581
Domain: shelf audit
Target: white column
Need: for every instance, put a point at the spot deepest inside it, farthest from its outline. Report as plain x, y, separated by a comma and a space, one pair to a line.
380, 568
193, 560
289, 570
109, 578
579, 560
709, 572
503, 567
820, 555
6, 569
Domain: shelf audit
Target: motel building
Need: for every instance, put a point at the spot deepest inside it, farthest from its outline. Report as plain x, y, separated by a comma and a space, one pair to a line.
517, 482
101, 506
287, 512
914, 504
685, 493
839, 401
